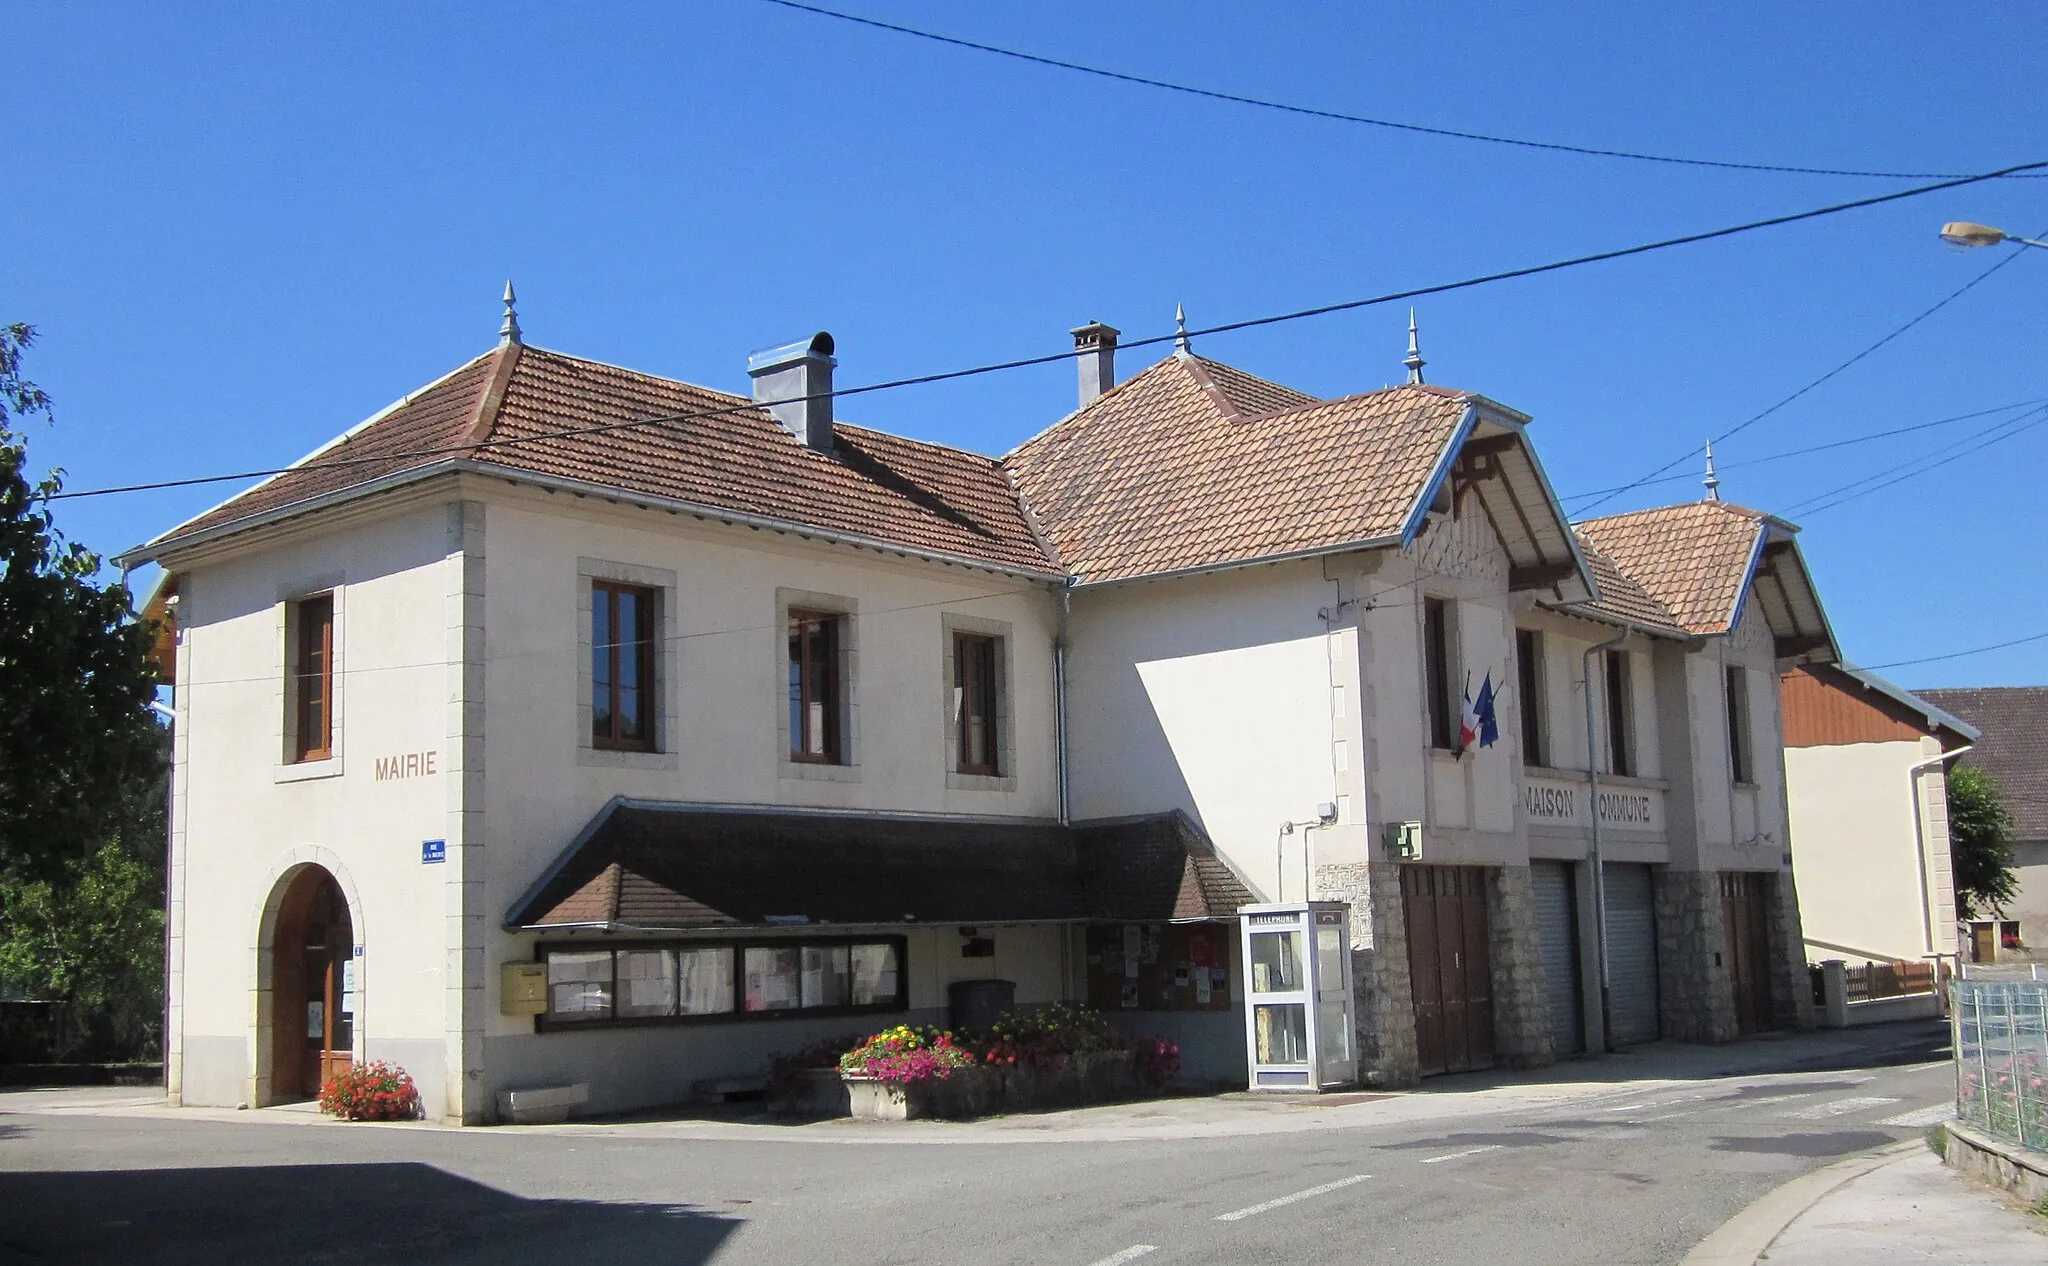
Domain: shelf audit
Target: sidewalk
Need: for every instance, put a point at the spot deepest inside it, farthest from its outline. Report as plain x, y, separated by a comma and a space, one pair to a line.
1900, 1206
1663, 1067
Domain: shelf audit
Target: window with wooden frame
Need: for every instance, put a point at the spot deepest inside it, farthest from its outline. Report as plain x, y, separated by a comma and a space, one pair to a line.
976, 694
1529, 680
1740, 766
624, 695
1621, 729
815, 698
1436, 655
312, 693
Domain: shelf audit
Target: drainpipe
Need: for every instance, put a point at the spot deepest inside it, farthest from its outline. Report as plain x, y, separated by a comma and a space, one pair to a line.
1593, 810
1059, 697
1913, 773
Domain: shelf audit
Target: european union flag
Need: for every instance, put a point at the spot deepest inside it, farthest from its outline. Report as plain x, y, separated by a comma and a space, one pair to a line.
1489, 728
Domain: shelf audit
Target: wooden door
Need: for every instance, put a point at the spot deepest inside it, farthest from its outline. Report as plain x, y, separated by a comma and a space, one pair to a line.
1450, 966
312, 1021
1745, 913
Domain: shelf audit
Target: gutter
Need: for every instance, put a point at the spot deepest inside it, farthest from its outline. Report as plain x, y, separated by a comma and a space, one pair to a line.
1061, 734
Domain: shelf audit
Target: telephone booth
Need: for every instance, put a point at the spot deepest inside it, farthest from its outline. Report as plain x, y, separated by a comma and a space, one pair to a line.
1298, 1003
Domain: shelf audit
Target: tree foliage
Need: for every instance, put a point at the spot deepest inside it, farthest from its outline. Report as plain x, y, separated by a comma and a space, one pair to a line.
83, 763
75, 680
1980, 839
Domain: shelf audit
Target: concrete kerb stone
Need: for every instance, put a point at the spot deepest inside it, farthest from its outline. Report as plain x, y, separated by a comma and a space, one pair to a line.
2005, 1166
1747, 1236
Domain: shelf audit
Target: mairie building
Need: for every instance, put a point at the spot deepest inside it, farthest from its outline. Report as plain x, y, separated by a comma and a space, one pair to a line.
567, 724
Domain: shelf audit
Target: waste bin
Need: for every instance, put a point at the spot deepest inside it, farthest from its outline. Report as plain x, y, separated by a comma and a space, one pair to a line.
976, 1004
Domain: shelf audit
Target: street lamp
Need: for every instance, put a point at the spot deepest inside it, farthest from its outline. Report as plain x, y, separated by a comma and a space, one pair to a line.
1965, 234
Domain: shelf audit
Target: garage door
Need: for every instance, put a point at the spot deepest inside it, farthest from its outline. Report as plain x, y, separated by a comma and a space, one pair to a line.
1631, 954
1557, 930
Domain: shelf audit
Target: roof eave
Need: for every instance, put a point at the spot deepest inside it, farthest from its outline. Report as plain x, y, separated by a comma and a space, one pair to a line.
1240, 564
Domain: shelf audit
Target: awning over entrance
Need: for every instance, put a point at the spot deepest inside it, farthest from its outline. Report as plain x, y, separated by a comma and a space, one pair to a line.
653, 866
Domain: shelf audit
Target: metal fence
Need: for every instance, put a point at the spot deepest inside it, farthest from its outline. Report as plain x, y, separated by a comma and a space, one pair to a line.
2001, 1052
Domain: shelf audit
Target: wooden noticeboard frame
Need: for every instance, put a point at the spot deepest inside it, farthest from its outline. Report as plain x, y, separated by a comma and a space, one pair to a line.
1169, 957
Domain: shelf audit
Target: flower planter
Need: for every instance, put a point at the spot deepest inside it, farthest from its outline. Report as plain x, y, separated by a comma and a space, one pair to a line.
969, 1092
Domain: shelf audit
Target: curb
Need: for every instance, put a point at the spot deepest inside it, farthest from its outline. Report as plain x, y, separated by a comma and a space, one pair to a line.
1743, 1238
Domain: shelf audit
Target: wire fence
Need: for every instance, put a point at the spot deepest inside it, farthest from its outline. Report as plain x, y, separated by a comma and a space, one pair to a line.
2001, 1052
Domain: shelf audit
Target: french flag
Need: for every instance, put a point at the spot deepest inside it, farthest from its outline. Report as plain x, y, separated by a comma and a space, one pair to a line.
1468, 720
1477, 723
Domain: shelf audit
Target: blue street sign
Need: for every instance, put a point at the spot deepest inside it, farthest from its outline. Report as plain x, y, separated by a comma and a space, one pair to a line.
432, 851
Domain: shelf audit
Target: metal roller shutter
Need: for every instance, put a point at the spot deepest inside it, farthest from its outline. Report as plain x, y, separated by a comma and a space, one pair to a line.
1631, 954
1557, 931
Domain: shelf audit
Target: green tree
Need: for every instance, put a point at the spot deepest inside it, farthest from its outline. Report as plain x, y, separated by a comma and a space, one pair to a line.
1980, 840
82, 764
76, 729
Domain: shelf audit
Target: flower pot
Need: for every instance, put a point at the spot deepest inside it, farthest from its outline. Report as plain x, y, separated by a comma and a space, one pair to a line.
969, 1092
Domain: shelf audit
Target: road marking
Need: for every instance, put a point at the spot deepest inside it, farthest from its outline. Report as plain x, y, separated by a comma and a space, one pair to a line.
1470, 1151
1131, 1254
1840, 1107
1922, 1116
1266, 1205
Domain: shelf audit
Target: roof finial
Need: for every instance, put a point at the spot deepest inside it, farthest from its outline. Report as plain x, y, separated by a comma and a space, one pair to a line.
509, 331
1712, 481
1181, 346
1414, 361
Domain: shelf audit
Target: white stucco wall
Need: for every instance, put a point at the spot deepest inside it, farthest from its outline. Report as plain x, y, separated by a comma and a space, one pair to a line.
246, 817
1868, 883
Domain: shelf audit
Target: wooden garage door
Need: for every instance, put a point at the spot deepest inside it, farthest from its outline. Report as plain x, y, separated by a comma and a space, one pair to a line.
1449, 966
1745, 914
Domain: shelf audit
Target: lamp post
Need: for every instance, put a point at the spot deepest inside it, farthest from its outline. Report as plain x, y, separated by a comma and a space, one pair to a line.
1965, 234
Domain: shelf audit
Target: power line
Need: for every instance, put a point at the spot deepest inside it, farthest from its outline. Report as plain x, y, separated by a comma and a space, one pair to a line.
1340, 117
1909, 464
1935, 659
1054, 358
1822, 448
1919, 470
1611, 493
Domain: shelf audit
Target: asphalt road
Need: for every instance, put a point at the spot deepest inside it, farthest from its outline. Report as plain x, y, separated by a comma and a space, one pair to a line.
1612, 1174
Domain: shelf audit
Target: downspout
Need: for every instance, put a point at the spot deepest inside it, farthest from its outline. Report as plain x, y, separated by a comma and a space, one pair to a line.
1913, 773
1059, 704
1593, 810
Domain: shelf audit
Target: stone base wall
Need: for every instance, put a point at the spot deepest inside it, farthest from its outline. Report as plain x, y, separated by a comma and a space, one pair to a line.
1383, 997
1696, 992
1791, 985
1521, 1012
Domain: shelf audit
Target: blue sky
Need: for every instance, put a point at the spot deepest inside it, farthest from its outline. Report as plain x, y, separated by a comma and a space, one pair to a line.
242, 231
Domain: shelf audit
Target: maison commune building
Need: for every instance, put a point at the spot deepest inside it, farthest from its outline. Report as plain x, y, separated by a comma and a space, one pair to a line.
564, 723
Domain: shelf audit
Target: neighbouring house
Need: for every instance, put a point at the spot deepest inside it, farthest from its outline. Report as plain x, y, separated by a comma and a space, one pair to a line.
2014, 751
565, 723
1866, 782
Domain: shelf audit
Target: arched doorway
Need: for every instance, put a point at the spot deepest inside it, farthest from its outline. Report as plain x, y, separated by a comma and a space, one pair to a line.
313, 1001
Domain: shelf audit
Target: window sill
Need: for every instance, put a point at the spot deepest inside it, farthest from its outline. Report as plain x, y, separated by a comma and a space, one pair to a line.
616, 758
308, 770
1745, 786
817, 771
957, 781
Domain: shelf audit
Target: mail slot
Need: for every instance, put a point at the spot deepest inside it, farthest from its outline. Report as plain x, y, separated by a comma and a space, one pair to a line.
523, 988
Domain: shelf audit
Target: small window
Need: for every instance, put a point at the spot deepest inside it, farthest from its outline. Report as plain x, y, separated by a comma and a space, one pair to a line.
580, 986
774, 978
1436, 652
874, 975
814, 688
312, 714
1621, 736
974, 703
623, 695
1740, 765
825, 975
1529, 680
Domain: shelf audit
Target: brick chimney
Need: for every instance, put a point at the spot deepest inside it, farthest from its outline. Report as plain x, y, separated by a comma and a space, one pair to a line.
1096, 344
795, 383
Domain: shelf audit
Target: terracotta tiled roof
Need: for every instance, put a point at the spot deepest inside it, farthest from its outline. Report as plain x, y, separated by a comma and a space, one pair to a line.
669, 867
880, 487
2013, 748
1621, 598
1691, 559
1193, 464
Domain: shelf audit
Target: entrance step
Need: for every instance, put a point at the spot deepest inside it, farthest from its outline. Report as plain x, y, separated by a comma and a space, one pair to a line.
541, 1105
726, 1089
